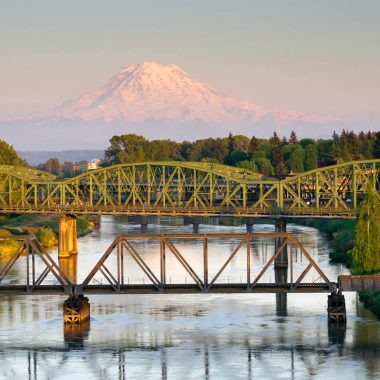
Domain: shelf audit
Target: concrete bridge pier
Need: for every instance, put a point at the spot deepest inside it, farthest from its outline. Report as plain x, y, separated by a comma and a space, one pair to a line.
281, 260
144, 221
336, 309
76, 310
249, 225
96, 219
195, 225
67, 236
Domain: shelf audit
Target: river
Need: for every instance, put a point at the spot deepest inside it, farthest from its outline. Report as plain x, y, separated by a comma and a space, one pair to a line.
217, 336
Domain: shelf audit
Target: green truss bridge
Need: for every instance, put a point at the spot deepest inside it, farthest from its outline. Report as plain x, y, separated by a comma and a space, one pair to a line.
189, 188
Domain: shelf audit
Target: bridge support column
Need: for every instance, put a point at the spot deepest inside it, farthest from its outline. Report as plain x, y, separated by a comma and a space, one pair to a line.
195, 225
76, 310
144, 223
249, 225
282, 259
67, 236
336, 308
97, 219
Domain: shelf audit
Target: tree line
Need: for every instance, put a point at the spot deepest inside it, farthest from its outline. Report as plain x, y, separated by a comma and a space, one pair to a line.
270, 157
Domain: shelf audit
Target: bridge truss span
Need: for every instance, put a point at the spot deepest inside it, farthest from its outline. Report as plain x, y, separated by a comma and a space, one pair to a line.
255, 279
205, 269
187, 188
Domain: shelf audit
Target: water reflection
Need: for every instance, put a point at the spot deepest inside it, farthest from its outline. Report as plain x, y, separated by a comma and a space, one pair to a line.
69, 266
212, 336
281, 277
207, 362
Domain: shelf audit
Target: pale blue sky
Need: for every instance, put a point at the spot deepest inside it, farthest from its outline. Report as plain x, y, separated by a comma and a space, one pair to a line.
313, 56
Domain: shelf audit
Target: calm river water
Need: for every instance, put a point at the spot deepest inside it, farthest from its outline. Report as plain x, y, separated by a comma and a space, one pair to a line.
237, 336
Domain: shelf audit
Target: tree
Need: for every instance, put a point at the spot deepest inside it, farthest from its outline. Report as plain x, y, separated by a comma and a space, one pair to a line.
297, 159
253, 145
126, 149
53, 166
376, 145
265, 166
235, 157
231, 143
275, 140
311, 157
293, 138
249, 165
366, 253
278, 161
8, 156
307, 141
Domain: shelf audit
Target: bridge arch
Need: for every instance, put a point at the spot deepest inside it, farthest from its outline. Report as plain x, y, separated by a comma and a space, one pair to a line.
189, 188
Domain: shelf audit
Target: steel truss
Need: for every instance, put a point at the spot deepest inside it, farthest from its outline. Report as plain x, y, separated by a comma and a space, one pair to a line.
125, 245
188, 188
31, 248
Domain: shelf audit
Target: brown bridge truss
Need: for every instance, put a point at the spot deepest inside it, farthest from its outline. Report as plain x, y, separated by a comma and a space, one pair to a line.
127, 245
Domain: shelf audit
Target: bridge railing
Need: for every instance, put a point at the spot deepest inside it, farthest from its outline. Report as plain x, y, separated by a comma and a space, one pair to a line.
358, 283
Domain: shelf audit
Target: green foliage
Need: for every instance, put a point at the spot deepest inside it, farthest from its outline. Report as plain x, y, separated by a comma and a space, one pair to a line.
259, 154
311, 157
284, 155
341, 232
8, 156
46, 236
84, 225
235, 157
52, 166
278, 161
297, 159
265, 166
366, 253
371, 300
376, 145
305, 142
249, 165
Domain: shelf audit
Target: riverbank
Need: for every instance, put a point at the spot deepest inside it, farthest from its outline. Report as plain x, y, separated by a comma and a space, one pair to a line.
341, 233
342, 236
44, 227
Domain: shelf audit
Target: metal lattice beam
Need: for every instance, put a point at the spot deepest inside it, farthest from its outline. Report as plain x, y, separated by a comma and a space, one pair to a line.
189, 188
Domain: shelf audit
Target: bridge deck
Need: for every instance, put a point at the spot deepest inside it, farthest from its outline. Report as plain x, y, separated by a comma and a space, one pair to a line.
173, 289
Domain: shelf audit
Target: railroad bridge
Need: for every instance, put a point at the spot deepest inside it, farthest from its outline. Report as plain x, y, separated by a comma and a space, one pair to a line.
290, 272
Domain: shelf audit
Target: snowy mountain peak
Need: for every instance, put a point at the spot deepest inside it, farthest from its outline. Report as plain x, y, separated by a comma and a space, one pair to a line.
152, 91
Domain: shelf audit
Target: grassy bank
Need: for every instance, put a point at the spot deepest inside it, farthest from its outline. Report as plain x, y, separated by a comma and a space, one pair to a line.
45, 227
342, 236
340, 232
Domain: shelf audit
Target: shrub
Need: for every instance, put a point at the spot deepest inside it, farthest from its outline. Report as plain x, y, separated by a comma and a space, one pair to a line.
46, 236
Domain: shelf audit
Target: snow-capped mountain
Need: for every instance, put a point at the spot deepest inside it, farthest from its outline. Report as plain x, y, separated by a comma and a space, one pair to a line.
155, 92
156, 101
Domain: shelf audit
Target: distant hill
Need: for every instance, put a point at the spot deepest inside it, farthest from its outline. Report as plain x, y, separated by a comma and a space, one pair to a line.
39, 157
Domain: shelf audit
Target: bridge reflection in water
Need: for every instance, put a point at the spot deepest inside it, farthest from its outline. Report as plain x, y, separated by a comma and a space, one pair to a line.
246, 356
